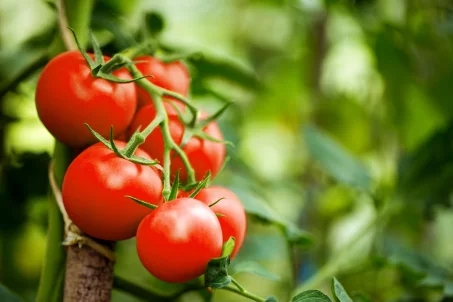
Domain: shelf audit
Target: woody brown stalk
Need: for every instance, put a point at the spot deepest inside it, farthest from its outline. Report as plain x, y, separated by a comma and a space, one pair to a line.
89, 275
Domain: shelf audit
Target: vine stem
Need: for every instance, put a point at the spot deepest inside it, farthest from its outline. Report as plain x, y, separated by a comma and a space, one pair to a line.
240, 290
333, 266
66, 35
73, 235
156, 93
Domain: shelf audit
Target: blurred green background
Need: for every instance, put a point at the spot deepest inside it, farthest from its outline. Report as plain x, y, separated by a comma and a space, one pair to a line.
343, 110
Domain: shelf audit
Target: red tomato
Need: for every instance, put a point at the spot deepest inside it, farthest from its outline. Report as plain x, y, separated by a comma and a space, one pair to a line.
176, 241
94, 187
234, 221
67, 96
173, 76
204, 155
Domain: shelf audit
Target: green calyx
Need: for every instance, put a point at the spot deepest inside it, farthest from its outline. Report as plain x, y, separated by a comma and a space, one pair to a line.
193, 126
99, 68
124, 153
142, 202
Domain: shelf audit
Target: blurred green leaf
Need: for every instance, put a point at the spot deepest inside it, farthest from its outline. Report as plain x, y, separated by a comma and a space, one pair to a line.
311, 296
359, 297
15, 66
154, 22
255, 206
339, 292
337, 161
427, 172
7, 296
209, 65
254, 268
212, 66
420, 268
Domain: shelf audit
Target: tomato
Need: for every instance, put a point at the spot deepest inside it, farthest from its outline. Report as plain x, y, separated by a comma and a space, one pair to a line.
234, 221
176, 241
204, 155
94, 187
173, 76
67, 96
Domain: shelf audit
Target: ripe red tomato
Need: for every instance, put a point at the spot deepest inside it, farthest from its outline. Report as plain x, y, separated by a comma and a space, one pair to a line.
204, 155
176, 241
94, 187
67, 96
173, 76
234, 221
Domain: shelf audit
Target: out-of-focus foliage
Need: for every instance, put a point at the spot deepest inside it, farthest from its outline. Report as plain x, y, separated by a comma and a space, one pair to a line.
342, 109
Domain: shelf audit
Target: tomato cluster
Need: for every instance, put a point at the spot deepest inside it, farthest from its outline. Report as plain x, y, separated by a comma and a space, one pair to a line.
177, 239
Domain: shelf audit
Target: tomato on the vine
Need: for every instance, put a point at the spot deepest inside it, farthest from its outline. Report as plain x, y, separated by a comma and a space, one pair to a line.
178, 239
173, 76
233, 219
94, 189
68, 95
204, 155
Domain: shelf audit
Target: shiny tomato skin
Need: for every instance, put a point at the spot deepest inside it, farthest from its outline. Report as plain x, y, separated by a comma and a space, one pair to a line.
234, 221
173, 76
176, 241
204, 155
67, 96
94, 187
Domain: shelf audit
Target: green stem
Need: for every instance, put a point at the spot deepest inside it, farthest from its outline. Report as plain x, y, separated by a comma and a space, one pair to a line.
156, 94
183, 99
239, 286
52, 275
334, 265
137, 291
138, 138
51, 284
244, 293
147, 47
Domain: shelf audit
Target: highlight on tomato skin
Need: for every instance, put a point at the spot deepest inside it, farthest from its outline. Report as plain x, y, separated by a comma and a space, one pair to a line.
68, 96
94, 190
233, 219
172, 76
178, 239
204, 155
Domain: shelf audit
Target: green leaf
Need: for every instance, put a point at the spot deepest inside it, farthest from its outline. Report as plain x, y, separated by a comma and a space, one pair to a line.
271, 299
256, 206
311, 296
99, 137
212, 66
336, 160
425, 176
339, 292
418, 267
216, 275
202, 184
254, 268
359, 297
174, 187
7, 296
